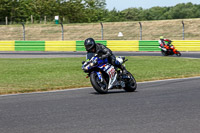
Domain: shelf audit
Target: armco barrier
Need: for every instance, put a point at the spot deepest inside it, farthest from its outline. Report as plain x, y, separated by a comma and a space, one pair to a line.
149, 46
187, 45
114, 45
60, 45
123, 45
7, 45
29, 45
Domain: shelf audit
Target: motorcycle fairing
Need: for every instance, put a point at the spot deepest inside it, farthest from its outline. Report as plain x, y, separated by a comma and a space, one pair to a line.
99, 76
110, 70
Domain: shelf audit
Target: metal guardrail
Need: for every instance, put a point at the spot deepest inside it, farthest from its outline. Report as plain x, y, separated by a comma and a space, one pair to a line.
114, 45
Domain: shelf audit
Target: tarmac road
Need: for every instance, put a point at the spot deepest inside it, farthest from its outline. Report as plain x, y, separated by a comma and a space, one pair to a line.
17, 54
170, 106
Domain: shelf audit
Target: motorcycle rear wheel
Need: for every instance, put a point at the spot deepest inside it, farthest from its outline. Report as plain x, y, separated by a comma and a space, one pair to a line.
164, 53
100, 87
131, 85
178, 53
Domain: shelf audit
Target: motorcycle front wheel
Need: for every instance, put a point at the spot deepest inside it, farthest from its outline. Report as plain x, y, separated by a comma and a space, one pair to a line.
130, 84
100, 87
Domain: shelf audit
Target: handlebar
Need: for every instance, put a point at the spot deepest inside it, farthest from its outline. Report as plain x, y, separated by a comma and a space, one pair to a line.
125, 60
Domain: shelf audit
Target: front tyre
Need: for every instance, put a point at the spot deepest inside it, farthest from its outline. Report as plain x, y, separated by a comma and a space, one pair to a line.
130, 83
100, 87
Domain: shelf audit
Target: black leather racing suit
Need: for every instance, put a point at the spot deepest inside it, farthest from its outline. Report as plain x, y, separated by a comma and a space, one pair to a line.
104, 52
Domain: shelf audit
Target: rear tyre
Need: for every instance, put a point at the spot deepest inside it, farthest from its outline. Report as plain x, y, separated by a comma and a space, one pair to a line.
178, 53
163, 53
100, 87
130, 83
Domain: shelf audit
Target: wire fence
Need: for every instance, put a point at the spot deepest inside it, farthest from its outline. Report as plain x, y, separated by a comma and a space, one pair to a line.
188, 29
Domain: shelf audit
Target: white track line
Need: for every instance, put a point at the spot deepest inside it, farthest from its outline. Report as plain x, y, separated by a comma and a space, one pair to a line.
43, 92
90, 87
168, 80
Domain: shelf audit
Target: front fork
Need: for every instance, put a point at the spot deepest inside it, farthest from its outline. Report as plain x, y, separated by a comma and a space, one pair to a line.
99, 74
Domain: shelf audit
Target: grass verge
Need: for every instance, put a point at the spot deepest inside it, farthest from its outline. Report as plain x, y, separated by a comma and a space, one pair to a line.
30, 75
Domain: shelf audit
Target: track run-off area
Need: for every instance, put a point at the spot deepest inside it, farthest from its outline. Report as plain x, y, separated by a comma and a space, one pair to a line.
165, 106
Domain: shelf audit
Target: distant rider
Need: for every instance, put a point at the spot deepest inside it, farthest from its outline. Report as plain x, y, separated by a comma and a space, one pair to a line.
103, 52
163, 45
162, 42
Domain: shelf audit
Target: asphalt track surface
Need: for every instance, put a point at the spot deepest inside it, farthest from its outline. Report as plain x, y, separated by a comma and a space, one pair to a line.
30, 54
170, 106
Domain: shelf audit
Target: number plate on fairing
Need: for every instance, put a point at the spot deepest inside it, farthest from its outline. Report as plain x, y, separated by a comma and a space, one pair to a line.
112, 76
111, 72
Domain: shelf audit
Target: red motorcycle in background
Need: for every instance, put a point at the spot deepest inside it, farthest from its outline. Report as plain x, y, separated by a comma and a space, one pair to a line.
169, 49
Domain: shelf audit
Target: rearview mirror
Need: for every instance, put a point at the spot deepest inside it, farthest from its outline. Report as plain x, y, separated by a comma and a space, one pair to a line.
83, 62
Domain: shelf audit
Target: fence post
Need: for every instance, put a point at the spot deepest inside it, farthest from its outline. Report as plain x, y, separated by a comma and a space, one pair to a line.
62, 31
140, 30
6, 20
45, 19
31, 19
101, 31
183, 30
23, 31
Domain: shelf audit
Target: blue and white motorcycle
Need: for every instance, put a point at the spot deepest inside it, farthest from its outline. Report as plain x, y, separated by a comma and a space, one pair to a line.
104, 76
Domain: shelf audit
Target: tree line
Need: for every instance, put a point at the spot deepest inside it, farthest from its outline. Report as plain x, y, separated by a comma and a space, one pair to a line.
86, 11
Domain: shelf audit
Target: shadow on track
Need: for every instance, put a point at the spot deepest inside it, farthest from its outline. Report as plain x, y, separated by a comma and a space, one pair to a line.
113, 92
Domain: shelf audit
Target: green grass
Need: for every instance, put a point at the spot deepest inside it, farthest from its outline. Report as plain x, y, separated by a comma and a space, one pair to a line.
29, 75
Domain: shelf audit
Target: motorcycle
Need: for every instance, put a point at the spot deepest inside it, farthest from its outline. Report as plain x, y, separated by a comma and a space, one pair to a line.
169, 49
104, 76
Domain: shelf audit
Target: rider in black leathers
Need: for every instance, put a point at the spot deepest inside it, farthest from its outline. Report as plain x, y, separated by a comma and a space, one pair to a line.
103, 52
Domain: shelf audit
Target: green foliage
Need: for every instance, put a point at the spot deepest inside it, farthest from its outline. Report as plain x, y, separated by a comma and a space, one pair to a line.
81, 11
185, 11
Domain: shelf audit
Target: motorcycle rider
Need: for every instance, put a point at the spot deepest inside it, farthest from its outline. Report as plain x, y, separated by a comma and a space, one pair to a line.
162, 42
163, 45
103, 52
